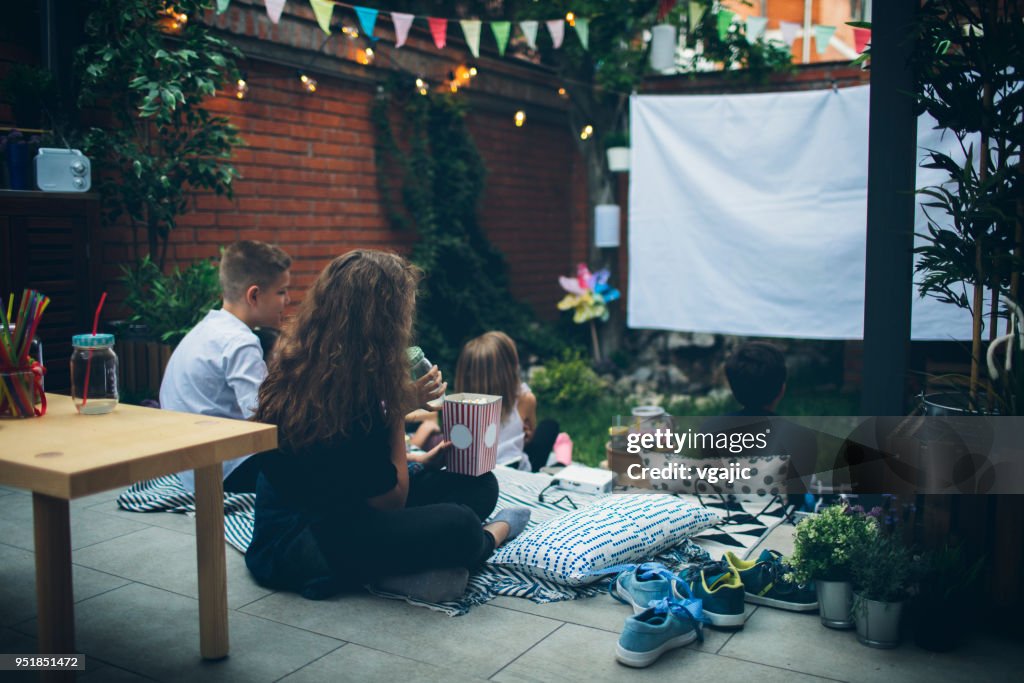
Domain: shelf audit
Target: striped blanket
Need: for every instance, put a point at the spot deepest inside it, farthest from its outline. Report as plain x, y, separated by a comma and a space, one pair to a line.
516, 489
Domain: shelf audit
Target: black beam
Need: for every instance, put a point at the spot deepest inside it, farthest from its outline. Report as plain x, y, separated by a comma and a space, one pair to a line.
892, 165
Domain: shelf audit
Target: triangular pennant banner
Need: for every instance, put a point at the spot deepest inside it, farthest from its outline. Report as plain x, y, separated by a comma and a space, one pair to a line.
556, 27
323, 9
755, 28
222, 6
822, 34
367, 19
402, 23
501, 31
664, 7
724, 22
439, 29
789, 30
695, 14
583, 32
274, 8
471, 30
861, 38
529, 29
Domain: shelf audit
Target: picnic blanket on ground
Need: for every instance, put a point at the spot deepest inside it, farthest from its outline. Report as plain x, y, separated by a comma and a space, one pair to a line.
516, 489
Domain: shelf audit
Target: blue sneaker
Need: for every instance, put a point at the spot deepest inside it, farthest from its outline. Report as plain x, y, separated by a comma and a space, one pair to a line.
718, 587
765, 582
638, 585
665, 625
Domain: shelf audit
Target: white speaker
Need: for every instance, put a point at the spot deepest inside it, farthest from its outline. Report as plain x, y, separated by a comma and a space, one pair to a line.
62, 170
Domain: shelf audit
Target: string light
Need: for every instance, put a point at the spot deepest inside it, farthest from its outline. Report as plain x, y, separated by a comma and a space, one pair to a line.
472, 71
570, 18
562, 92
587, 131
171, 20
520, 118
350, 31
241, 89
308, 83
421, 86
365, 56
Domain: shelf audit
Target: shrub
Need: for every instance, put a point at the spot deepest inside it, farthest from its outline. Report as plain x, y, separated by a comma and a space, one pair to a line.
826, 544
567, 381
171, 305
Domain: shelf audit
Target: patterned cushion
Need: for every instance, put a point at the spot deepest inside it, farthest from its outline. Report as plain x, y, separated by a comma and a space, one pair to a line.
617, 528
768, 474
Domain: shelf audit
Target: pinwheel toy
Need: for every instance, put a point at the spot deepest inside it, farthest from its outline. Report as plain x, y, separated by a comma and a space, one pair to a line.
588, 296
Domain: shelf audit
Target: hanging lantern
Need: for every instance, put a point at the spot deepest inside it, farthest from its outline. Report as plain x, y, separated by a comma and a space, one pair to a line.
663, 47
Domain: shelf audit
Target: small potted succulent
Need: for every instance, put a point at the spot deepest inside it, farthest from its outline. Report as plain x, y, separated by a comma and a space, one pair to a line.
825, 547
616, 146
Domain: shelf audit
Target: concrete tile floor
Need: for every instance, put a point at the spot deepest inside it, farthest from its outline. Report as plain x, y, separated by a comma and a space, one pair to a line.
137, 619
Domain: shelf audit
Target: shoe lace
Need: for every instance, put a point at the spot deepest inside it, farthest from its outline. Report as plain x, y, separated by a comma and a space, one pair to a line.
688, 608
708, 568
779, 574
645, 571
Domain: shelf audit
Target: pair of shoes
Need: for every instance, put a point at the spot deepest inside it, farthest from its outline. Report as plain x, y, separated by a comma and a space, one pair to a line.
767, 581
665, 625
715, 584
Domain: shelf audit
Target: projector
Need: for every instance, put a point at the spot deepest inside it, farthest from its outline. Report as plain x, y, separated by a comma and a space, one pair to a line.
62, 170
584, 479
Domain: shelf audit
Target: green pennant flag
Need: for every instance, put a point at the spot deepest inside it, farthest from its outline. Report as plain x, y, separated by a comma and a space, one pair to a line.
222, 6
695, 14
583, 32
323, 9
724, 22
501, 31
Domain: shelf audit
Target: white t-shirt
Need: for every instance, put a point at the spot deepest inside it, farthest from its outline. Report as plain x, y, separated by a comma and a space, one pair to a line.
216, 370
512, 438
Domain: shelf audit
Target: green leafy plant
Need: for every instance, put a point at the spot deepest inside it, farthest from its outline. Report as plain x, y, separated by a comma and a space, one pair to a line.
162, 143
568, 381
883, 568
32, 92
825, 544
169, 305
616, 139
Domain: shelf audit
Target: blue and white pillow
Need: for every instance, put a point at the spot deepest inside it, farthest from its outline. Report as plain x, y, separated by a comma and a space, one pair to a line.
616, 529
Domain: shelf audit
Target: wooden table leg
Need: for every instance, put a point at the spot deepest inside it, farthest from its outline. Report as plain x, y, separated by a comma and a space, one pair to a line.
54, 595
213, 581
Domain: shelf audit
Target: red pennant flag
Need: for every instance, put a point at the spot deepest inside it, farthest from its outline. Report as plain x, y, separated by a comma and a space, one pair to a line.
861, 38
439, 29
664, 7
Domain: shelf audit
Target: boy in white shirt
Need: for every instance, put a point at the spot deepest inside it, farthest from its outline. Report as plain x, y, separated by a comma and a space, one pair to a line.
218, 367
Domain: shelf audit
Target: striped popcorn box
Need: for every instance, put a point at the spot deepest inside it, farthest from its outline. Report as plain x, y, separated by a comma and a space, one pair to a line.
471, 423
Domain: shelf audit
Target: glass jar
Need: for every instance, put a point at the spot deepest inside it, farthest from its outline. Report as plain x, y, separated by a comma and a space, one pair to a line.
93, 373
419, 365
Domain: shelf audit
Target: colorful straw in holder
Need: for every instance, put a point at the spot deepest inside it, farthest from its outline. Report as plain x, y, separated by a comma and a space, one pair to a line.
21, 376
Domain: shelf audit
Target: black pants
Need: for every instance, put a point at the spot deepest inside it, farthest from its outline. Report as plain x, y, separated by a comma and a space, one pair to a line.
440, 527
540, 445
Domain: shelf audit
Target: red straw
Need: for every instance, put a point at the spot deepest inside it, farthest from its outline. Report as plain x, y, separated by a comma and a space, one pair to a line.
88, 362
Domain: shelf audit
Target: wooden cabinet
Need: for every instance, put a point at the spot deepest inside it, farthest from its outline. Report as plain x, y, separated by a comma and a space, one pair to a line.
46, 244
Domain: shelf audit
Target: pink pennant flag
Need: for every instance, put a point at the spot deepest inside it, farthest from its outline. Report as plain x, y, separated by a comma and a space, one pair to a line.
861, 38
402, 23
439, 29
789, 30
274, 9
556, 27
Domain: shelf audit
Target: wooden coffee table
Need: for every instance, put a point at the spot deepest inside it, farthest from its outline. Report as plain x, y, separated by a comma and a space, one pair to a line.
64, 455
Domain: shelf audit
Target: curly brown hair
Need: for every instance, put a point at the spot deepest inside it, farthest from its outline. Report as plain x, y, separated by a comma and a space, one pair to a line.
342, 363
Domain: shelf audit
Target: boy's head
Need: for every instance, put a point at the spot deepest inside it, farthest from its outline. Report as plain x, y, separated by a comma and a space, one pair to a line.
757, 375
254, 280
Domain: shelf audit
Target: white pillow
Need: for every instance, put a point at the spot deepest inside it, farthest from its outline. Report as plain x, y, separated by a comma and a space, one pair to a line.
618, 528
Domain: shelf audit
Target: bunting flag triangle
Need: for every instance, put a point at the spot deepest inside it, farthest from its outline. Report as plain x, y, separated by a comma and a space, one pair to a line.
556, 27
439, 29
402, 22
822, 34
789, 30
755, 28
222, 6
724, 22
367, 19
323, 9
529, 29
274, 9
861, 38
696, 14
583, 32
471, 30
501, 31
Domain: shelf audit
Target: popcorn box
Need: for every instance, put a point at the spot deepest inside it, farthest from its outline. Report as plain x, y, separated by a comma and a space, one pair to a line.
471, 423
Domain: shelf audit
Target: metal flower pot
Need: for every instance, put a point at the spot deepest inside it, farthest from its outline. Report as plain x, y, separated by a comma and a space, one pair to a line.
834, 601
878, 623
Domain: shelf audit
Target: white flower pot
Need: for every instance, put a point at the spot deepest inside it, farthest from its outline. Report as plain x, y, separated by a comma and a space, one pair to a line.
878, 623
834, 601
618, 159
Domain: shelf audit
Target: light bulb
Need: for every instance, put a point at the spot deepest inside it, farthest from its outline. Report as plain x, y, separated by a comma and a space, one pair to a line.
520, 118
241, 89
308, 83
562, 92
571, 18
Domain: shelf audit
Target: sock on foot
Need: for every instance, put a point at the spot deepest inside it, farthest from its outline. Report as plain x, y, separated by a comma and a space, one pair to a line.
516, 518
433, 585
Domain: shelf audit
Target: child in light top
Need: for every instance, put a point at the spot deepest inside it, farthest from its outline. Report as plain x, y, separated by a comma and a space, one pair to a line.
218, 367
489, 364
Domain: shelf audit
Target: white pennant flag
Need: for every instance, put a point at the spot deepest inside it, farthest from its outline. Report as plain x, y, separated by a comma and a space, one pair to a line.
556, 27
755, 28
471, 30
274, 9
529, 29
789, 30
402, 23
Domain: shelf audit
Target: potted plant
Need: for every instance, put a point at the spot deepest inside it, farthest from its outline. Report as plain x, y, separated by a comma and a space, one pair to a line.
824, 552
944, 574
616, 146
882, 577
969, 72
